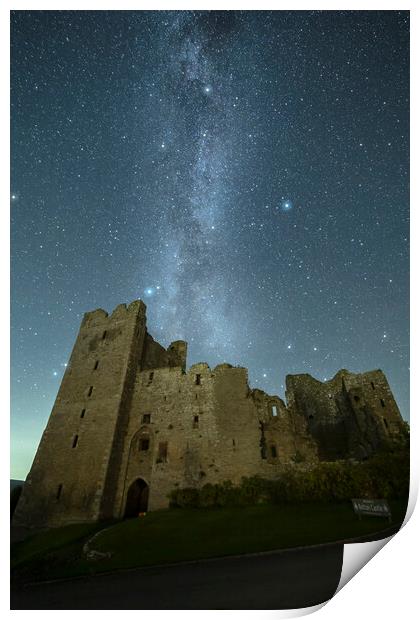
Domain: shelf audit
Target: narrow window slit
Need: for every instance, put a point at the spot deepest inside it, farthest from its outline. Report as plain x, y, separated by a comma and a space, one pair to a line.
144, 444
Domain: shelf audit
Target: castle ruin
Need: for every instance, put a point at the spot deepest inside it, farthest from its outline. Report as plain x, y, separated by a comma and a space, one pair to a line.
130, 424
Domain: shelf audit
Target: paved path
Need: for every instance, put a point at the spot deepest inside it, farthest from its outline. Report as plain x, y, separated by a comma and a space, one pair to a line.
282, 580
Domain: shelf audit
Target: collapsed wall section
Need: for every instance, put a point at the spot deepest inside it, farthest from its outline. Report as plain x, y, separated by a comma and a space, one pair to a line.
350, 416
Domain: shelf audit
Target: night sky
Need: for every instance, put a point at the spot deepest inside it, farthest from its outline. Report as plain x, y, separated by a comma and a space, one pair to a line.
244, 173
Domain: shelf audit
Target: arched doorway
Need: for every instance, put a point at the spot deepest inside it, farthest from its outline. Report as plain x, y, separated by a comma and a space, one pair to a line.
137, 498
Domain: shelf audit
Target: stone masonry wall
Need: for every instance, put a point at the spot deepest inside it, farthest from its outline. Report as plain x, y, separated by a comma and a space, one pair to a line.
127, 409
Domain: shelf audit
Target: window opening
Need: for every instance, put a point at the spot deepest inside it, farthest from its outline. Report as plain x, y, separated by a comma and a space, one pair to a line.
104, 335
82, 415
144, 444
60, 488
90, 390
263, 445
195, 421
373, 385
385, 422
198, 379
274, 410
96, 365
146, 418
163, 452
382, 402
75, 440
273, 452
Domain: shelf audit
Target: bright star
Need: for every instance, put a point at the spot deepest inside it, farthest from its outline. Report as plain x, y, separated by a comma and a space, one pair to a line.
149, 291
289, 346
286, 205
208, 89
55, 373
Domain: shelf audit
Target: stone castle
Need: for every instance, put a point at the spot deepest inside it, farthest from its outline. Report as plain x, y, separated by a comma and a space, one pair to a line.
130, 424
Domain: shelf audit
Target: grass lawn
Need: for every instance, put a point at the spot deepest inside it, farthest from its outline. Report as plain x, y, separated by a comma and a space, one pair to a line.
178, 535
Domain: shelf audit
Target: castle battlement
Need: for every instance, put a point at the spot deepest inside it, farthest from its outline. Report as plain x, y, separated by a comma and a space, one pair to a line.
131, 423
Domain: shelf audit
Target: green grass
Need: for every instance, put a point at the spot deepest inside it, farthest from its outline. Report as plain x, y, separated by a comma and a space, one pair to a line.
38, 546
177, 535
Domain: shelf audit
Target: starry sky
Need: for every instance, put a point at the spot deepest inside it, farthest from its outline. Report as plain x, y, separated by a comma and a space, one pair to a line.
245, 173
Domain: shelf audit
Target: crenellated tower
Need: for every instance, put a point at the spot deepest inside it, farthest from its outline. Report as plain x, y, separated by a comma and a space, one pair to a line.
77, 462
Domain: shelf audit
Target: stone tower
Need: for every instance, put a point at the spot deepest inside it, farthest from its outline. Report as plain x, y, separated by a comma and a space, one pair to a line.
78, 455
75, 471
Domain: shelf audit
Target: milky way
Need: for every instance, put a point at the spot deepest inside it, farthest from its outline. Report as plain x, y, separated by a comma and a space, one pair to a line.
244, 173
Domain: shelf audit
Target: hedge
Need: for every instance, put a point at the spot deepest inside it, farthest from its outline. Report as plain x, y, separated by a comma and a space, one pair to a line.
386, 475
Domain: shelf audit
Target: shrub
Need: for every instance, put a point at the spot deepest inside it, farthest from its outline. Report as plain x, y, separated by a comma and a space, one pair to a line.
386, 475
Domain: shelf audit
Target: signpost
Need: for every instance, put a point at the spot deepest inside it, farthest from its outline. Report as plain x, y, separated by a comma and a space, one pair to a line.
372, 508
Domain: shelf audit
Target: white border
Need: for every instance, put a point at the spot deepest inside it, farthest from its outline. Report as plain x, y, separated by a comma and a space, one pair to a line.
387, 586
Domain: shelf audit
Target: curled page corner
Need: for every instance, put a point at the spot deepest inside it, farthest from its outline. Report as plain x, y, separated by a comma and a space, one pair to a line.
356, 555
297, 613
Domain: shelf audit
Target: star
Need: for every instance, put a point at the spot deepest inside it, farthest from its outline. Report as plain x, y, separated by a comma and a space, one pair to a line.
149, 291
286, 206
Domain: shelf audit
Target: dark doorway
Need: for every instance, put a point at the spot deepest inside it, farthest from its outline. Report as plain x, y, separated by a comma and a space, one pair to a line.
137, 498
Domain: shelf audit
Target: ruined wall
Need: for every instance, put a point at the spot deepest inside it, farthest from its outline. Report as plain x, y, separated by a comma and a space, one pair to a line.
351, 416
284, 436
316, 402
211, 425
156, 356
127, 409
375, 417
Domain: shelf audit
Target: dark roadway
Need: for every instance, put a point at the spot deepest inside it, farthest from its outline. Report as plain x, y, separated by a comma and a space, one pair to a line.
282, 580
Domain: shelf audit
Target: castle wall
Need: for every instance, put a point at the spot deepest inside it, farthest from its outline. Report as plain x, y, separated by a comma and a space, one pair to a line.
351, 416
211, 425
127, 409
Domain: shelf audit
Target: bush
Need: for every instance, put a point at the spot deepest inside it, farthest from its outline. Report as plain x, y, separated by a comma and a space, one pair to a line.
386, 475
